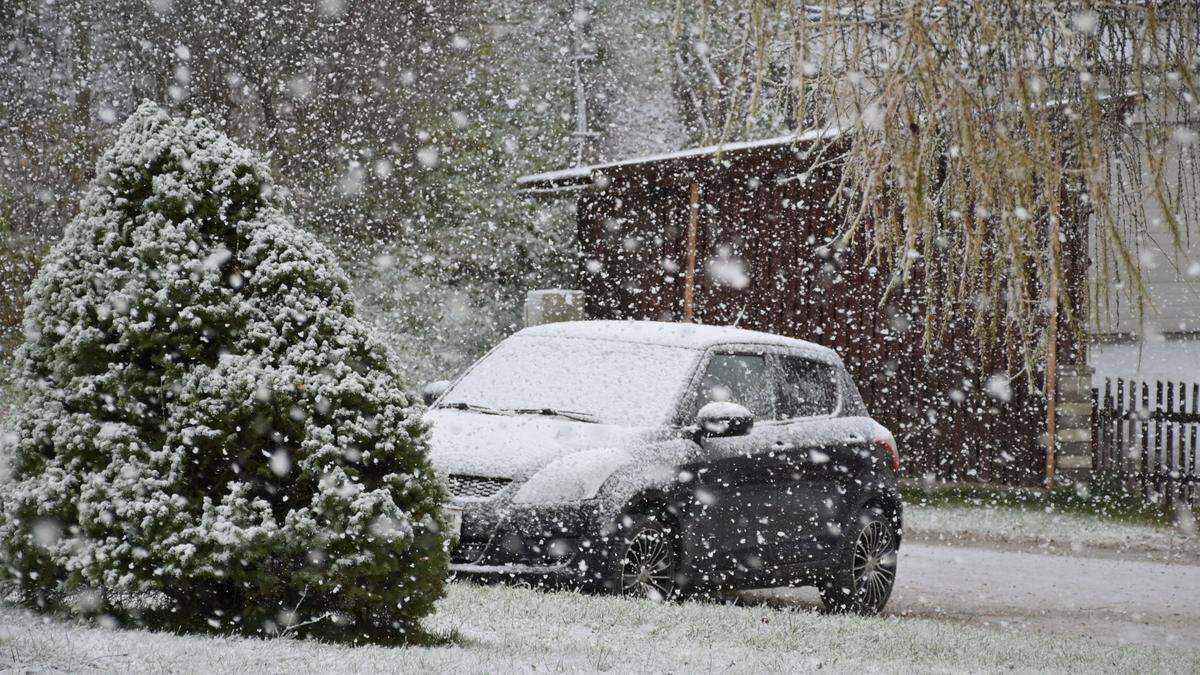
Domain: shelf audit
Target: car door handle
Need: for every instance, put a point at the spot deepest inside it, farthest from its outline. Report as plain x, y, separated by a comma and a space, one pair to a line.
855, 438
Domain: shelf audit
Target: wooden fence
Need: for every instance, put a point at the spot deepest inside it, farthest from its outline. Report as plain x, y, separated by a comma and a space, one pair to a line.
1147, 434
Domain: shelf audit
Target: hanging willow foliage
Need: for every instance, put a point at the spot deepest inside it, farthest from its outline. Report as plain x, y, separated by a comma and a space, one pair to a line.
979, 135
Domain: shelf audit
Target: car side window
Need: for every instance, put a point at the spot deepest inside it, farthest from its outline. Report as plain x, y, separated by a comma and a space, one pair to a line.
744, 379
853, 400
808, 388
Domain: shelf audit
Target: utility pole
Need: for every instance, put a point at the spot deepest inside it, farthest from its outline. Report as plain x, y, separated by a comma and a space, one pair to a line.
583, 52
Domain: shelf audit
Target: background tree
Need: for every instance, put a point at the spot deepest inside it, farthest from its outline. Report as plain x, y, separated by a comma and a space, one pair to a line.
975, 130
399, 127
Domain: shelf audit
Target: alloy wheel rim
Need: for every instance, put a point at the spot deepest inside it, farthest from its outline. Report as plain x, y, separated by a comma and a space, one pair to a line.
648, 568
874, 564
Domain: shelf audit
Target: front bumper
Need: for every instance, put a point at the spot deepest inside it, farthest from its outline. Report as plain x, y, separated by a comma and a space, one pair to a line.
558, 542
555, 575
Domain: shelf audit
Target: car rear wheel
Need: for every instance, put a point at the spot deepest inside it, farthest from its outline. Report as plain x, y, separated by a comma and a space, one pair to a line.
646, 560
866, 572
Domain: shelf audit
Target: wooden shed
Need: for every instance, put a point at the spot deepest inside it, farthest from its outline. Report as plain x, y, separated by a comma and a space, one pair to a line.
742, 233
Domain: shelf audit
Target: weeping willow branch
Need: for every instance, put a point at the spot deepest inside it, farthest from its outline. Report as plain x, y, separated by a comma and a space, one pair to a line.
976, 129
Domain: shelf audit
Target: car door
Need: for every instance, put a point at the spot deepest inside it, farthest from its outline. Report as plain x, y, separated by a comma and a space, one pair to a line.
736, 480
822, 449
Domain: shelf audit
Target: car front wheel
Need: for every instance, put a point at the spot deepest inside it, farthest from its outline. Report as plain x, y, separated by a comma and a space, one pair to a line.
646, 561
866, 570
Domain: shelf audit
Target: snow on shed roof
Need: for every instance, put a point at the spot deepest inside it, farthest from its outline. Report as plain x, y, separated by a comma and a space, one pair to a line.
580, 176
689, 335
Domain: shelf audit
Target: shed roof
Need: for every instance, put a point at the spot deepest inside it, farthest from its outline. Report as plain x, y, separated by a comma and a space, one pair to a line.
581, 177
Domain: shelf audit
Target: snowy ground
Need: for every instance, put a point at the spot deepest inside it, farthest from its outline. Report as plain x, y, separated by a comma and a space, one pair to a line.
503, 629
978, 589
955, 608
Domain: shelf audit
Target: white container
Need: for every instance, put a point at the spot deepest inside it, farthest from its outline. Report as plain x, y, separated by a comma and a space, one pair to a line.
552, 305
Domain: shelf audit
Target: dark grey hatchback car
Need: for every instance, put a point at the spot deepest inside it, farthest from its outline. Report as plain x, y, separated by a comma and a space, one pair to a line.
663, 459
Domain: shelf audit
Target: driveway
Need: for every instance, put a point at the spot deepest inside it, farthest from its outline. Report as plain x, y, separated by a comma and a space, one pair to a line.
1108, 599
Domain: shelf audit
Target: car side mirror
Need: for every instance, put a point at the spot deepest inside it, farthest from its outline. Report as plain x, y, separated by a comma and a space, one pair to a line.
723, 419
434, 390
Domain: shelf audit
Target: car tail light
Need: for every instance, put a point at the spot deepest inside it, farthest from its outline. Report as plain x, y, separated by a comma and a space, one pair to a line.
890, 447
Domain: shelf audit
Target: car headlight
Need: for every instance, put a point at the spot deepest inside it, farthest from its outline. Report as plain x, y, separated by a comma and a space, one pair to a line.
573, 478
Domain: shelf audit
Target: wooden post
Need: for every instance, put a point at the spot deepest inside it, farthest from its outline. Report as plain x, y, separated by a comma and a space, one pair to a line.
1052, 359
689, 283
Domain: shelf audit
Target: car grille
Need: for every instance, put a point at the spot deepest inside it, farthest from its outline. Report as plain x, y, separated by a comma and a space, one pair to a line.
475, 487
468, 551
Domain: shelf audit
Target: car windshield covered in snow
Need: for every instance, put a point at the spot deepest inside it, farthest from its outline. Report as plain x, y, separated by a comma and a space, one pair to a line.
609, 381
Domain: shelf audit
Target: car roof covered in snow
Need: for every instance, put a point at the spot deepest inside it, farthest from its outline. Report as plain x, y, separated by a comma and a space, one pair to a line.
687, 335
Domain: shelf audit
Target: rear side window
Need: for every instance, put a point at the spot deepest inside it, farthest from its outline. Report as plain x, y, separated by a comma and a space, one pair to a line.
808, 389
851, 396
741, 378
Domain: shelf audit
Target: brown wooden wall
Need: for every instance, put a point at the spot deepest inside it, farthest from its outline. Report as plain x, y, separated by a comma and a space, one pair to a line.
759, 206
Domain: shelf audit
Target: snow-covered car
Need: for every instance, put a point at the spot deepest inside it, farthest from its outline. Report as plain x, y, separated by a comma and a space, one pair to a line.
662, 458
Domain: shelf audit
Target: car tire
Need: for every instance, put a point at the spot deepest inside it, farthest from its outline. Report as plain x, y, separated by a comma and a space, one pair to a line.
645, 559
865, 573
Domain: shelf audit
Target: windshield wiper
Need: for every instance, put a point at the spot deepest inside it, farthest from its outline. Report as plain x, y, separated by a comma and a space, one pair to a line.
552, 412
474, 408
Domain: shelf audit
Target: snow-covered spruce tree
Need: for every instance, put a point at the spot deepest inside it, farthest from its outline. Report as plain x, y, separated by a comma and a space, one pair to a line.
204, 418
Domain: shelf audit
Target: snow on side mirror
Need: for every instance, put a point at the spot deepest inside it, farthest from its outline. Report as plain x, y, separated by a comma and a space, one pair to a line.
722, 419
434, 390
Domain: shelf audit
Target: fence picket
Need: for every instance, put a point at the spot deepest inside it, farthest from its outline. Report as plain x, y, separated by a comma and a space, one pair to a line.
1119, 418
1166, 450
1191, 465
1131, 442
1145, 434
1179, 448
1103, 451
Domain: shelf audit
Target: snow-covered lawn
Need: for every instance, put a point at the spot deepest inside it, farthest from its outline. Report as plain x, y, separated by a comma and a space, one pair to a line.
1053, 532
501, 629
